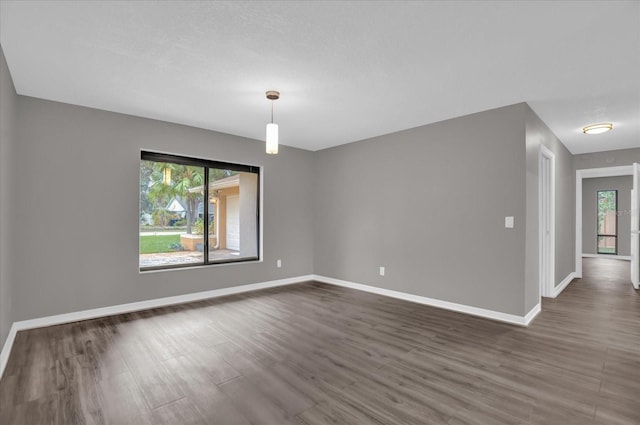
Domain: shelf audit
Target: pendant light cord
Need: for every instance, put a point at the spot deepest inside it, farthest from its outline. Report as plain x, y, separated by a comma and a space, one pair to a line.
271, 111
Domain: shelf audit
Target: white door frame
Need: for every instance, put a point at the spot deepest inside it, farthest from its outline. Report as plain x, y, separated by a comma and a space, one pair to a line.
635, 228
623, 170
546, 221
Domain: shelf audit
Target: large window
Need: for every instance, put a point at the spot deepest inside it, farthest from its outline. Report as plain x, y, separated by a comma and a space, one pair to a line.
607, 233
183, 199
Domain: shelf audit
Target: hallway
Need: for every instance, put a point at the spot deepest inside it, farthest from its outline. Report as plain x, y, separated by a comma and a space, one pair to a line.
593, 330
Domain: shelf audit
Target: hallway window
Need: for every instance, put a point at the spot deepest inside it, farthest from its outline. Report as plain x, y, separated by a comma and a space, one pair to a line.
607, 232
175, 215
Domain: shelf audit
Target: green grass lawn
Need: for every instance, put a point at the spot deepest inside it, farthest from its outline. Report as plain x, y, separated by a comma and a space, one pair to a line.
160, 243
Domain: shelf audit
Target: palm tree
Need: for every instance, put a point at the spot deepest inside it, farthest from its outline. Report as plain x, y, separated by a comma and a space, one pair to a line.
183, 178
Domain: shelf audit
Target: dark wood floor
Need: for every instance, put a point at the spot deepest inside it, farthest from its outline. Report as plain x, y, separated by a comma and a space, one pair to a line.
318, 354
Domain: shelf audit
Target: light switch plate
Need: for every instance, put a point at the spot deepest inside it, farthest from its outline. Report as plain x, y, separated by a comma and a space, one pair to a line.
508, 222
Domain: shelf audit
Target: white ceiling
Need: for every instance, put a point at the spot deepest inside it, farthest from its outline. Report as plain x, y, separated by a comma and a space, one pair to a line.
347, 70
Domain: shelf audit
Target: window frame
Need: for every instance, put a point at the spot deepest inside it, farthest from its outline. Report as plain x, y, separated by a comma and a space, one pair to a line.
207, 164
598, 235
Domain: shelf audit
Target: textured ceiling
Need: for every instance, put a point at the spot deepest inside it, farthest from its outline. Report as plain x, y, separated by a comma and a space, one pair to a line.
347, 70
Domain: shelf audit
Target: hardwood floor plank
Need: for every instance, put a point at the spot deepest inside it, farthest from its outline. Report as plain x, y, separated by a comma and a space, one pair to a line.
280, 392
200, 388
308, 384
21, 352
122, 401
34, 381
617, 411
621, 373
79, 397
389, 407
238, 358
210, 362
336, 412
43, 411
102, 358
157, 383
182, 412
255, 404
8, 391
472, 393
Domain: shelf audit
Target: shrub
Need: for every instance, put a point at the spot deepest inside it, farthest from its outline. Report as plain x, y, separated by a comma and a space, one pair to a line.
198, 227
160, 217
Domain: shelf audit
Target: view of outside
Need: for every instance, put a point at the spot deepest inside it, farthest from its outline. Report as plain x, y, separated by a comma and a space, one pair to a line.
172, 214
607, 221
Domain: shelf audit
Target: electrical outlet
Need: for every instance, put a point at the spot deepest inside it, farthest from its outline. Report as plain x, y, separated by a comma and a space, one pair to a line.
381, 271
278, 263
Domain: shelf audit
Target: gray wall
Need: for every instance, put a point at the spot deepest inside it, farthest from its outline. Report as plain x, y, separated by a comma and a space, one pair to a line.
538, 133
8, 99
606, 159
429, 205
77, 198
590, 188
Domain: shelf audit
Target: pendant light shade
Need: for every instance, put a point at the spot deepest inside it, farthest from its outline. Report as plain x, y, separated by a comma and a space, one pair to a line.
272, 138
272, 128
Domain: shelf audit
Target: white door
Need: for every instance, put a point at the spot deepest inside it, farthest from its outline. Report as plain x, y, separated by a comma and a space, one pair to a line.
635, 227
546, 199
233, 222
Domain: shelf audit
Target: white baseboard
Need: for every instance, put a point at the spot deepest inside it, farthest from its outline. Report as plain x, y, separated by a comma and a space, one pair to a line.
532, 314
613, 257
6, 348
131, 307
560, 287
460, 308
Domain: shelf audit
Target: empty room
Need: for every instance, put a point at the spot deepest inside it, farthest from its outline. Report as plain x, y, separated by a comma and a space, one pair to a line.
319, 212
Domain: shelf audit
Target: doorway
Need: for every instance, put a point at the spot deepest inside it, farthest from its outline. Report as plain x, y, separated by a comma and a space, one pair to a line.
546, 214
627, 170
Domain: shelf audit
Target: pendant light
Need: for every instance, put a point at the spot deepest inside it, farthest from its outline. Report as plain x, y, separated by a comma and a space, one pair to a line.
272, 128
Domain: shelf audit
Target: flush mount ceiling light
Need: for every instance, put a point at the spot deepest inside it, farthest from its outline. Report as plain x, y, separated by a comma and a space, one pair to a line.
598, 128
272, 129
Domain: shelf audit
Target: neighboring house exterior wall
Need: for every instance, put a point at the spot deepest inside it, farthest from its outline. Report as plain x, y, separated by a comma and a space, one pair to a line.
223, 210
247, 211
